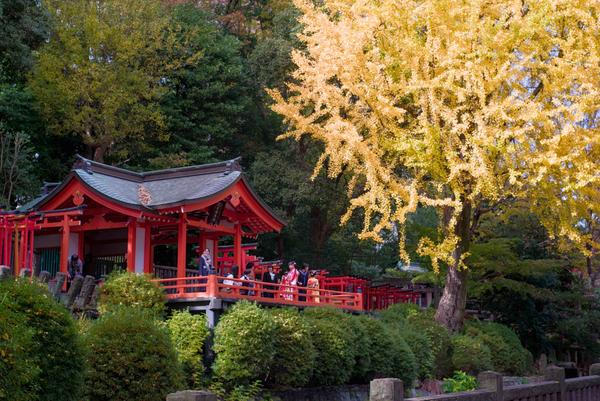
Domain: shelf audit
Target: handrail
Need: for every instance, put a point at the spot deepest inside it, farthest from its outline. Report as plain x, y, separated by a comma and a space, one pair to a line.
236, 288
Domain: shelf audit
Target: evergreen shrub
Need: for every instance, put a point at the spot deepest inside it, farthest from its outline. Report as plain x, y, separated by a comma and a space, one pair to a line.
399, 312
439, 338
245, 345
18, 368
188, 334
131, 358
332, 340
49, 344
507, 353
422, 348
126, 289
470, 354
403, 359
295, 353
388, 353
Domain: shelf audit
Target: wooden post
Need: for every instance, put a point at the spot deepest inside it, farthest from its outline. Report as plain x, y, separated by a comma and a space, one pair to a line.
237, 248
131, 237
148, 248
16, 255
64, 246
181, 247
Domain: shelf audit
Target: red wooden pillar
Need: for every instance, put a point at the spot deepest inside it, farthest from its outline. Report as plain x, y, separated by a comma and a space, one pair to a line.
181, 245
131, 238
64, 246
237, 247
148, 248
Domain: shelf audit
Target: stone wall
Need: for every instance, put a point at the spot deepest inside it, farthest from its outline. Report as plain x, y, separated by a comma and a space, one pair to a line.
332, 393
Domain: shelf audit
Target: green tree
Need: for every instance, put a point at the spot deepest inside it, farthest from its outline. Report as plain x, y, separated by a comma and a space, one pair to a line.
102, 72
207, 102
24, 26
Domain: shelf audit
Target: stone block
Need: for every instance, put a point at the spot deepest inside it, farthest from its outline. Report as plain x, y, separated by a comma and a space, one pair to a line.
44, 277
595, 369
5, 272
386, 390
492, 381
60, 279
190, 395
74, 290
89, 282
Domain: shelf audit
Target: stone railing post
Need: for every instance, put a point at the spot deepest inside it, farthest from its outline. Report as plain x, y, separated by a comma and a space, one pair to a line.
595, 369
492, 381
554, 373
60, 279
74, 290
5, 272
386, 390
190, 395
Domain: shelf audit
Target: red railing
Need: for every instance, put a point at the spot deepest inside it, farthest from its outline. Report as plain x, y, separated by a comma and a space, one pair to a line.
235, 288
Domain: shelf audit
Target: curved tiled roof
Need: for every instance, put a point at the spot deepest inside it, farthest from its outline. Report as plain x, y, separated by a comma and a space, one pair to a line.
161, 188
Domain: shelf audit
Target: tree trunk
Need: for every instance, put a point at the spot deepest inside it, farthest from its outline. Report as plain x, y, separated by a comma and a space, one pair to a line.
451, 309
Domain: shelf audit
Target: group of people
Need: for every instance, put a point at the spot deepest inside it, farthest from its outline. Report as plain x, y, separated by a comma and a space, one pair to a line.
289, 286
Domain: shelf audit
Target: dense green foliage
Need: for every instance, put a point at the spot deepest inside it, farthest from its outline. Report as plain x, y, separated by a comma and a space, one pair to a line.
245, 345
54, 352
470, 354
18, 369
460, 381
125, 289
295, 356
507, 353
439, 338
130, 358
422, 348
188, 334
335, 351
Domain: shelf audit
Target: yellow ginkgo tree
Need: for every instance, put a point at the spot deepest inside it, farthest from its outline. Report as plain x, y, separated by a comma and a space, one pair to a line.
454, 105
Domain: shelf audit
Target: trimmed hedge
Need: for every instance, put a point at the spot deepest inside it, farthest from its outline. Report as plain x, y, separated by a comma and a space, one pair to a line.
439, 337
470, 354
332, 340
188, 334
398, 313
294, 361
388, 354
507, 353
18, 368
245, 344
131, 358
422, 349
51, 341
126, 289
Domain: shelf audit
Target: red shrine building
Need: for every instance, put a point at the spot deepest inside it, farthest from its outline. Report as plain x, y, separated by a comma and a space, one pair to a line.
114, 217
156, 222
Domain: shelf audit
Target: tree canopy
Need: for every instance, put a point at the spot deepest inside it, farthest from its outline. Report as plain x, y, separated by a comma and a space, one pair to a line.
456, 106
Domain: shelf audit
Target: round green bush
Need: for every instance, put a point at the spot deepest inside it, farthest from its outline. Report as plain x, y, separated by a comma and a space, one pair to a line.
126, 289
439, 338
470, 354
363, 329
245, 345
18, 368
295, 353
421, 347
188, 334
507, 352
131, 358
403, 360
335, 352
55, 349
399, 312
388, 353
